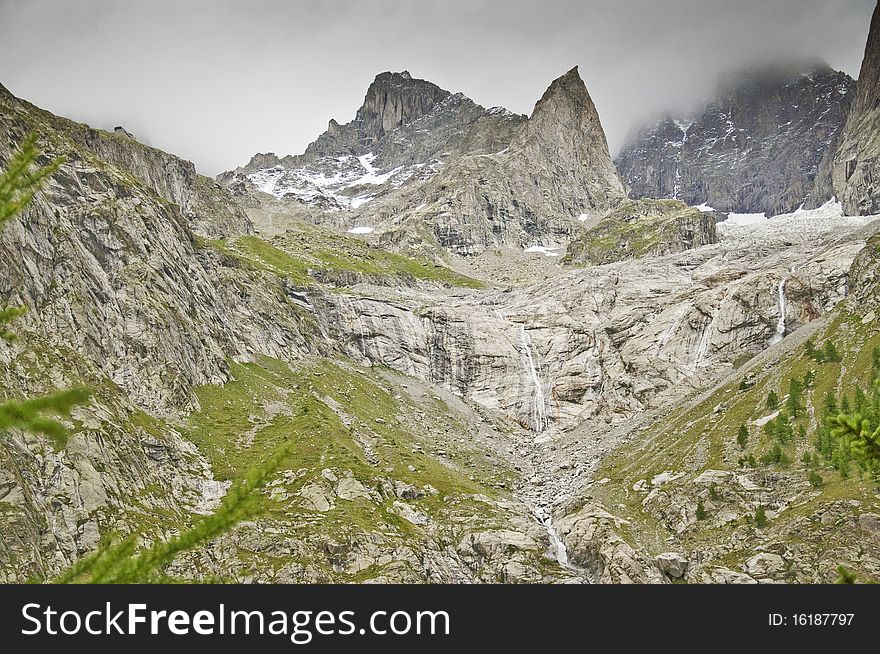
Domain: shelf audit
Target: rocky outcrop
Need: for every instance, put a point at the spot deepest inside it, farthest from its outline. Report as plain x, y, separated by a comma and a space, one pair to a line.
757, 148
643, 228
563, 147
102, 253
208, 207
856, 164
593, 540
393, 100
609, 341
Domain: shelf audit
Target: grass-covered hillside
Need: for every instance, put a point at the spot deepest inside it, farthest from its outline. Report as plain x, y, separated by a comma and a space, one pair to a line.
307, 254
380, 477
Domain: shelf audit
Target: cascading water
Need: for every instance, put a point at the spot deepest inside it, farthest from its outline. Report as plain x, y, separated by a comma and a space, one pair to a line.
780, 324
560, 551
670, 332
537, 403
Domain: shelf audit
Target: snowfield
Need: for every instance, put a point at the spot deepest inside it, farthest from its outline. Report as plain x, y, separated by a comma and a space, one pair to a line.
336, 183
802, 224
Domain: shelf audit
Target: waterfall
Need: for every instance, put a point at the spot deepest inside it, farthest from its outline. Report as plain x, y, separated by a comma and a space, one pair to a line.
676, 184
560, 551
537, 403
780, 324
670, 331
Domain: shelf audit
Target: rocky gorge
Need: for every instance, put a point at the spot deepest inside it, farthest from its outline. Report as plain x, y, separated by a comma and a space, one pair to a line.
491, 363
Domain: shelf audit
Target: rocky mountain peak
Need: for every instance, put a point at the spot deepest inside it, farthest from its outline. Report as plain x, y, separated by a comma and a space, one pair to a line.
758, 146
565, 127
263, 160
393, 100
566, 115
567, 97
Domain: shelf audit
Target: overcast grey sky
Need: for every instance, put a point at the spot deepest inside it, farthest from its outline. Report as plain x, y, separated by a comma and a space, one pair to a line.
217, 81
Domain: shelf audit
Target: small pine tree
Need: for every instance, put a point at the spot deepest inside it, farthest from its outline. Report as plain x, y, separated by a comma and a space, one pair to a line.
783, 429
815, 479
713, 493
810, 348
831, 354
830, 406
842, 455
859, 400
795, 398
701, 510
760, 517
742, 437
773, 455
772, 401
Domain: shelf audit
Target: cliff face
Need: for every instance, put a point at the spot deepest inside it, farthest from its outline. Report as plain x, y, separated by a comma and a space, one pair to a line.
131, 262
856, 167
208, 207
122, 299
757, 148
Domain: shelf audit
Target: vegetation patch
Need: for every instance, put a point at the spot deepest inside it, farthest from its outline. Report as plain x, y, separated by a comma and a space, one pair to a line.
307, 254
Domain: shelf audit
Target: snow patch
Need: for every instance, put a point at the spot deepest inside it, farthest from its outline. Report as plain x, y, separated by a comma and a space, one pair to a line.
705, 208
545, 250
361, 230
743, 219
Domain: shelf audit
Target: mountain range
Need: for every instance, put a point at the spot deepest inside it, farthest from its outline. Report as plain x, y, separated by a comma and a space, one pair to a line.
495, 357
756, 148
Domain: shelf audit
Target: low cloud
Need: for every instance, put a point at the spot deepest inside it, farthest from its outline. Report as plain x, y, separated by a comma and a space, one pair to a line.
218, 81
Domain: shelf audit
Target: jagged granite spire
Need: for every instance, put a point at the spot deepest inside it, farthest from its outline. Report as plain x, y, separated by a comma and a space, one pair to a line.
418, 155
564, 131
392, 100
856, 171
